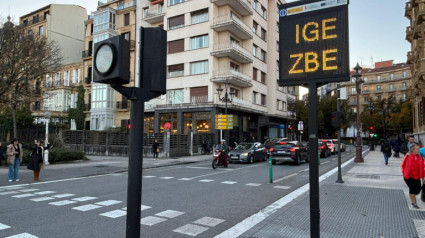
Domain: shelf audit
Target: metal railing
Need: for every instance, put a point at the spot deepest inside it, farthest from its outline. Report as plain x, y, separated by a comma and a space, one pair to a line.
153, 12
86, 53
231, 18
233, 46
122, 105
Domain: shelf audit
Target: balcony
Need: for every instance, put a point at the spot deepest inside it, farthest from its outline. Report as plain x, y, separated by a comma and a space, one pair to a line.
420, 14
87, 80
236, 78
122, 105
352, 103
391, 90
232, 24
409, 34
87, 53
243, 7
154, 15
410, 57
408, 10
87, 107
234, 51
199, 99
365, 92
379, 91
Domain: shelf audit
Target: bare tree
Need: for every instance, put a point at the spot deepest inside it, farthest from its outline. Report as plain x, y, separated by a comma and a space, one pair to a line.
25, 59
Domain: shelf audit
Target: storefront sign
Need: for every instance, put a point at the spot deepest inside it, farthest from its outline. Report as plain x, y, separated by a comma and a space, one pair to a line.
313, 42
223, 122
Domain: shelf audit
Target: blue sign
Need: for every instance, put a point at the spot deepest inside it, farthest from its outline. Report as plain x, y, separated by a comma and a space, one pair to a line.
282, 126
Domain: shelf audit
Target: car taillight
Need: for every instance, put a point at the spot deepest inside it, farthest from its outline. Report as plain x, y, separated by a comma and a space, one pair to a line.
271, 150
292, 150
322, 147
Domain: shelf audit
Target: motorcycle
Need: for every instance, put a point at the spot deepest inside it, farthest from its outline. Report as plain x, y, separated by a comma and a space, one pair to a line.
219, 159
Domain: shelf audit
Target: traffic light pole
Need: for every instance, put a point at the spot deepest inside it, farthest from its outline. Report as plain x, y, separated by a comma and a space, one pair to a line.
338, 119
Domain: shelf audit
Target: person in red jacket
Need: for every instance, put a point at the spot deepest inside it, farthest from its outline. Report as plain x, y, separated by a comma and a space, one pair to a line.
412, 168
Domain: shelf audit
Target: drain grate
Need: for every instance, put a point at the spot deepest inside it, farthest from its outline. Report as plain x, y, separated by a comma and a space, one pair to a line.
368, 176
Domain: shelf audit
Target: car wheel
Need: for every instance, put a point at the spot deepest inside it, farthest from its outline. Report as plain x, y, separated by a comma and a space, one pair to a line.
297, 160
251, 159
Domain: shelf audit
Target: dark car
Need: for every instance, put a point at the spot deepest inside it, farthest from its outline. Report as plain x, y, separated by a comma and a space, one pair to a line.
248, 152
292, 151
324, 149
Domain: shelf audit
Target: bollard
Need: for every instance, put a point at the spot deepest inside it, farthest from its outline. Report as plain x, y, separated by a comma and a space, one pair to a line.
271, 169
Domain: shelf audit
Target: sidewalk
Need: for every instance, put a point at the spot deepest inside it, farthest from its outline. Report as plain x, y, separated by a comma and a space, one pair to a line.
372, 202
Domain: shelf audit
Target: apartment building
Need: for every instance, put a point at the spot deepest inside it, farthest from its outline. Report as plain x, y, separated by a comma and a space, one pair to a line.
105, 107
415, 12
219, 44
63, 24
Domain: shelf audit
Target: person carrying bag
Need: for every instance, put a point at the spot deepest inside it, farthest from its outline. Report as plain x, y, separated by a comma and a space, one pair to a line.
412, 168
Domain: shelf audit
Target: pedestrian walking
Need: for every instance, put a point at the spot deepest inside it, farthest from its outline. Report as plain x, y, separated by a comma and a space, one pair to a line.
412, 168
396, 147
36, 162
14, 154
405, 147
155, 149
386, 150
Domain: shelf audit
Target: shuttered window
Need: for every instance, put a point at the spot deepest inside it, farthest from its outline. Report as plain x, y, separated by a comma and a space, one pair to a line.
198, 94
175, 22
254, 74
176, 70
175, 46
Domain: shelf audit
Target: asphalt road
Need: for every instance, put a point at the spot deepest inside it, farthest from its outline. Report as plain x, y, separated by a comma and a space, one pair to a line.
191, 200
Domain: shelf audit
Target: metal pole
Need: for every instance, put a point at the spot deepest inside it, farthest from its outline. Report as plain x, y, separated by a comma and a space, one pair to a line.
135, 165
314, 167
338, 113
359, 158
226, 98
46, 152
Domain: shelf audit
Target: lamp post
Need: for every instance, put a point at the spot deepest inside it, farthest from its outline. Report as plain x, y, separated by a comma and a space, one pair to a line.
46, 142
357, 74
227, 98
372, 142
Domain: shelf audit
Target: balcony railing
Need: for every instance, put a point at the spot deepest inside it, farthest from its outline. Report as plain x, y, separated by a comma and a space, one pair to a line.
86, 53
87, 107
233, 51
199, 99
154, 15
379, 91
233, 77
87, 80
122, 105
232, 24
243, 7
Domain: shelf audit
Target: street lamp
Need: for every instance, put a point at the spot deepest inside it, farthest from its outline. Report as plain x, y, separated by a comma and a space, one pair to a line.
227, 98
357, 74
371, 138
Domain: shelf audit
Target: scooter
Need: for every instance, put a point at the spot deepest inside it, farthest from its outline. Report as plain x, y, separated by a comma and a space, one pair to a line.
219, 159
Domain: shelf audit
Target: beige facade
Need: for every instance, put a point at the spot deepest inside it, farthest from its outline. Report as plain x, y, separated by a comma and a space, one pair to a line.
211, 44
415, 12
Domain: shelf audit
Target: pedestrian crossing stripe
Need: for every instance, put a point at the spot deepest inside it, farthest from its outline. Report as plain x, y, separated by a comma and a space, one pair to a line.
151, 220
87, 207
114, 213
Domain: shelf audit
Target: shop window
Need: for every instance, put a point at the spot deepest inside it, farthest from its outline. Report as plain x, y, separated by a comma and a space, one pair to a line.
148, 124
170, 118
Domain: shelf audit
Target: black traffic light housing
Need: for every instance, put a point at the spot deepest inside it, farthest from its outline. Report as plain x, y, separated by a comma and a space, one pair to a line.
111, 62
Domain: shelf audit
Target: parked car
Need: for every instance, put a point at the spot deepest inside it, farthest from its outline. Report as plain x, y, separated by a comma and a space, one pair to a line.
324, 149
331, 146
292, 151
340, 147
248, 152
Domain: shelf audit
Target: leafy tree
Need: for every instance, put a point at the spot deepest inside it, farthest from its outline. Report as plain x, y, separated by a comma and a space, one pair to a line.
78, 113
25, 58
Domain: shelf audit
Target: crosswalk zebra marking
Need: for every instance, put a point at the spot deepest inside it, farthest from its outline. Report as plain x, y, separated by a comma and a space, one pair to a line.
83, 199
108, 203
62, 203
40, 199
191, 230
169, 214
3, 226
23, 235
64, 195
209, 221
87, 207
229, 182
114, 213
151, 220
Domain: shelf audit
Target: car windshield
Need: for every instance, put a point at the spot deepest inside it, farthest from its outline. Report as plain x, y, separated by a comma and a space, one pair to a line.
286, 146
244, 146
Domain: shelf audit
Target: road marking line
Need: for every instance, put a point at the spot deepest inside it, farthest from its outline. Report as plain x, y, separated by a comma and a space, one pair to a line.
29, 190
325, 162
3, 226
87, 207
286, 177
194, 167
256, 218
229, 182
61, 203
185, 179
166, 177
8, 193
253, 184
25, 195
169, 214
23, 235
149, 176
114, 214
282, 187
226, 170
108, 202
151, 220
191, 230
206, 180
64, 195
209, 221
44, 193
42, 199
144, 207
83, 199
20, 186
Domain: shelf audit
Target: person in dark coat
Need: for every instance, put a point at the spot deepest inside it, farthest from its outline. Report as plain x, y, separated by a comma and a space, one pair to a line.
155, 149
36, 160
396, 147
386, 150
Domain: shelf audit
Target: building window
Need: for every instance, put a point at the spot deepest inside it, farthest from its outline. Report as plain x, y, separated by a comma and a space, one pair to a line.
378, 88
234, 67
199, 16
278, 105
263, 77
254, 74
254, 97
48, 81
199, 95
263, 12
175, 22
198, 42
404, 74
145, 12
284, 106
254, 50
126, 35
45, 14
391, 76
391, 87
378, 77
263, 99
365, 99
200, 67
175, 2
175, 96
403, 85
66, 78
40, 30
103, 21
365, 79
175, 46
254, 27
254, 5
57, 79
263, 34
403, 97
277, 46
126, 19
263, 56
176, 70
25, 22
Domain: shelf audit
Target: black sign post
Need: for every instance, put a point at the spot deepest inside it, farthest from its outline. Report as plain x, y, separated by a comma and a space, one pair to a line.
313, 50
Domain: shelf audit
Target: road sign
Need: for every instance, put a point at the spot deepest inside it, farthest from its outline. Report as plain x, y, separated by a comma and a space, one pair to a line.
223, 122
313, 42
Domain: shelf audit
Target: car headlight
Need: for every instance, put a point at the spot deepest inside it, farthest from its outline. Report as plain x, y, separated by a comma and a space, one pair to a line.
244, 155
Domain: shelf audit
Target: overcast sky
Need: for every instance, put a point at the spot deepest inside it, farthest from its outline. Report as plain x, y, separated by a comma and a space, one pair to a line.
377, 27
